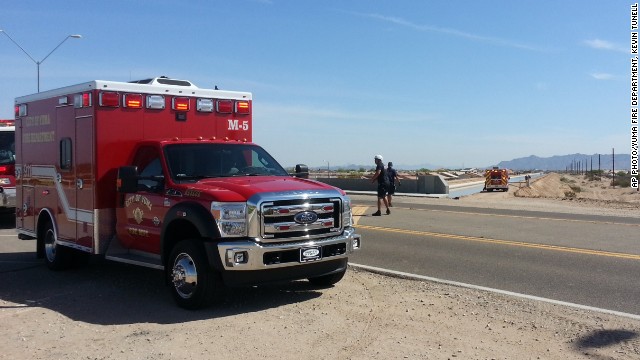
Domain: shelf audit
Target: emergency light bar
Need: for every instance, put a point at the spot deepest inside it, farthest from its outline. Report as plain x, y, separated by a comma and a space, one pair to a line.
7, 123
158, 102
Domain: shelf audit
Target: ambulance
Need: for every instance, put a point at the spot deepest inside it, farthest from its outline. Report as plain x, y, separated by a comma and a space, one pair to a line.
496, 179
163, 174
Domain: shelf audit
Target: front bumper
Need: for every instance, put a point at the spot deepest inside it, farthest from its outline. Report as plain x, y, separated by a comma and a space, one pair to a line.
247, 255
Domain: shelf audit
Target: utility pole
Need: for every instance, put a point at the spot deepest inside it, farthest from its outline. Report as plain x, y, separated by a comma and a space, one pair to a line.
613, 166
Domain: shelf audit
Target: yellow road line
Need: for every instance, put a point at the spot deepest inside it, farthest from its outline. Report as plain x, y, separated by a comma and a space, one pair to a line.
504, 242
513, 216
358, 211
530, 217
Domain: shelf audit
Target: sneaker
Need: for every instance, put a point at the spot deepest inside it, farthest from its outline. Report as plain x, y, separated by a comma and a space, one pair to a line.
388, 212
377, 213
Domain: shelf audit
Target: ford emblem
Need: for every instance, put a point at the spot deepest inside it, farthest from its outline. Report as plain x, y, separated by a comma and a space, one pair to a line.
311, 253
306, 217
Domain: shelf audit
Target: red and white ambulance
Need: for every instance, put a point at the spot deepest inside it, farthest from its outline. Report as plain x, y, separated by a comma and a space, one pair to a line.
7, 167
163, 174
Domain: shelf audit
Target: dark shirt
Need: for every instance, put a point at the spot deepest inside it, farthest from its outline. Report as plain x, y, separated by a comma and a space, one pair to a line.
382, 178
392, 174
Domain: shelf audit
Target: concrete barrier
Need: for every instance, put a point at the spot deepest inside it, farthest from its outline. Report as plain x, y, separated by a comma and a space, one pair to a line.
423, 184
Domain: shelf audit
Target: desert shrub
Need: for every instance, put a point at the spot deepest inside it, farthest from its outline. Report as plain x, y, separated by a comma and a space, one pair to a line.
569, 194
622, 181
594, 175
575, 188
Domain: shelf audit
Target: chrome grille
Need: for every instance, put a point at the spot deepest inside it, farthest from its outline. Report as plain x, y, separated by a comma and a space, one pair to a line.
279, 218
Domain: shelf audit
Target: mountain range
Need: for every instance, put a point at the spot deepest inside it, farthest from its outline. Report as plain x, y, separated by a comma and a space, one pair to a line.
568, 162
557, 162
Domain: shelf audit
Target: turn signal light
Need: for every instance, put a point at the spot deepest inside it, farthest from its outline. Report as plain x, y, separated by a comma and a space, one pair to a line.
180, 103
242, 107
133, 101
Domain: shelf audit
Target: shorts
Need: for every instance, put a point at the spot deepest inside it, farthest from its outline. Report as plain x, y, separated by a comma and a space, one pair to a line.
382, 191
391, 189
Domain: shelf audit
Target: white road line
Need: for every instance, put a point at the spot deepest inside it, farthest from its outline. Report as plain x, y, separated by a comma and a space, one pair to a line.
483, 288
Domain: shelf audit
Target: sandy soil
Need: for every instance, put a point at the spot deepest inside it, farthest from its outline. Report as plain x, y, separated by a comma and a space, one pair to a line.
553, 192
112, 311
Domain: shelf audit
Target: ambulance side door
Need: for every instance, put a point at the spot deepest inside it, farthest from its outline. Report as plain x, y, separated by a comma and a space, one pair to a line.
145, 208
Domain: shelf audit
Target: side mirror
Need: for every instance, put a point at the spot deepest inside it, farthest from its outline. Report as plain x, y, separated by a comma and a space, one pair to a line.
302, 171
127, 181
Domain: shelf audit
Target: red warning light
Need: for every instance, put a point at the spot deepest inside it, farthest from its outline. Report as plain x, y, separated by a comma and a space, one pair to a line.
224, 106
109, 99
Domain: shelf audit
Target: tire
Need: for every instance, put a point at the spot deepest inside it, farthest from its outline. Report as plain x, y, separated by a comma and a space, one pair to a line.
194, 284
56, 256
328, 280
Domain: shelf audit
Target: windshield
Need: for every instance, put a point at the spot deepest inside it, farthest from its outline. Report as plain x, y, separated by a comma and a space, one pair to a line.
7, 148
192, 162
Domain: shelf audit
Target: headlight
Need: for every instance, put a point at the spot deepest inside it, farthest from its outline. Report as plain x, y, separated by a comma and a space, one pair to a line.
231, 218
347, 215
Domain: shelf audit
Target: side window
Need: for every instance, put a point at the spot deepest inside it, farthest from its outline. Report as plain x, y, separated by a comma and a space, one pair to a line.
149, 168
65, 154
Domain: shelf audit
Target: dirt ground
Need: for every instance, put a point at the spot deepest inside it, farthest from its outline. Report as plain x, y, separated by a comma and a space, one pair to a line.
553, 192
114, 311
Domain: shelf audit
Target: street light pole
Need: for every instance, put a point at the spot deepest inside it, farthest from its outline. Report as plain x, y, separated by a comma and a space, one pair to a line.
45, 58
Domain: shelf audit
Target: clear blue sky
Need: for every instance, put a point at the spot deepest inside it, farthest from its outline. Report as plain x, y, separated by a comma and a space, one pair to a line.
452, 83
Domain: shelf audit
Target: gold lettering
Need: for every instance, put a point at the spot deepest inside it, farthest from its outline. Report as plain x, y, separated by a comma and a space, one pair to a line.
137, 198
40, 137
138, 232
36, 120
192, 193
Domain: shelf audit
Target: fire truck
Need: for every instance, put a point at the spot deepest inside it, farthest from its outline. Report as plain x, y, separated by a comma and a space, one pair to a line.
496, 179
163, 174
7, 167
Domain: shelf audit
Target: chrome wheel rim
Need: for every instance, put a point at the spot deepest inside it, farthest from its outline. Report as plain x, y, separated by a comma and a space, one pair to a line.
50, 245
184, 276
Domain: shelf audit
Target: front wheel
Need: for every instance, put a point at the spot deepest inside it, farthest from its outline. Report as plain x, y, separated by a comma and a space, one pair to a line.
328, 280
194, 284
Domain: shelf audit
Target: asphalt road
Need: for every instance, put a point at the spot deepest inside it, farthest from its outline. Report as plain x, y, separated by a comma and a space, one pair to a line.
582, 259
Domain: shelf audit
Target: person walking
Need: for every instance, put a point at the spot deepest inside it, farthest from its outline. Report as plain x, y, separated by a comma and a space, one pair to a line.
383, 183
392, 174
